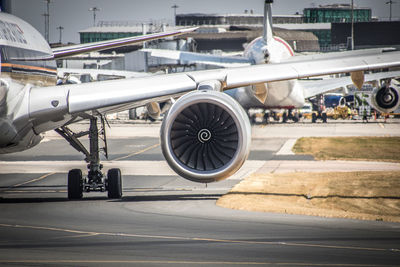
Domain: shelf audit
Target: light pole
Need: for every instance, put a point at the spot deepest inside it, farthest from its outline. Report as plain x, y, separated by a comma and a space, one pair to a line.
47, 21
390, 3
94, 10
175, 6
352, 25
60, 28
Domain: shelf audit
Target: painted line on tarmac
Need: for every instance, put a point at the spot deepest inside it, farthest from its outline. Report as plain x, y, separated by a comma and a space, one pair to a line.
169, 262
138, 152
28, 182
147, 167
201, 239
286, 149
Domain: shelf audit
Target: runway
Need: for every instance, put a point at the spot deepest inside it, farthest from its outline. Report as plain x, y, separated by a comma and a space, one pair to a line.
163, 219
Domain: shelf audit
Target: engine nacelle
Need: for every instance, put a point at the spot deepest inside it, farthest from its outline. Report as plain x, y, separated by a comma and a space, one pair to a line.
386, 99
206, 136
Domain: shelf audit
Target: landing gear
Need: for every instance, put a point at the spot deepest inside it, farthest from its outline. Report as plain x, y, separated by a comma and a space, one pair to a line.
318, 107
114, 183
75, 186
319, 115
95, 180
290, 115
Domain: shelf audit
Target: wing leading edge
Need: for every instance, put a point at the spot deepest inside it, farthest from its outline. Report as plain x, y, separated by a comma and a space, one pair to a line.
64, 52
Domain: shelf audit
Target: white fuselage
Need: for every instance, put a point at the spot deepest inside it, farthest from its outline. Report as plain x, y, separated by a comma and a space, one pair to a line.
282, 94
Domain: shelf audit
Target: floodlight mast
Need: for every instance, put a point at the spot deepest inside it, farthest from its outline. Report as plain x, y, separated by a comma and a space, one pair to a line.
94, 10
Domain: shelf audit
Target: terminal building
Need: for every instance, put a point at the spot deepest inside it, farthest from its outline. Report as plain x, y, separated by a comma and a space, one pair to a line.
336, 13
322, 28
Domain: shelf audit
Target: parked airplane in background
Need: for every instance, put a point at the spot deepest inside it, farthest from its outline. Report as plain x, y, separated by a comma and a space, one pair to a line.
206, 135
288, 94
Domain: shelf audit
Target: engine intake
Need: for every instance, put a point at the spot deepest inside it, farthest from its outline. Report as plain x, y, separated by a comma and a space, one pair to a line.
386, 99
206, 136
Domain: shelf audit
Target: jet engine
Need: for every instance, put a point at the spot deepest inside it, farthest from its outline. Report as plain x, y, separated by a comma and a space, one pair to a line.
206, 136
386, 99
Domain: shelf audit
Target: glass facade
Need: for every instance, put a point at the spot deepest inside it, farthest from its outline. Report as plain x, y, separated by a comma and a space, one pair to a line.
318, 15
332, 14
89, 37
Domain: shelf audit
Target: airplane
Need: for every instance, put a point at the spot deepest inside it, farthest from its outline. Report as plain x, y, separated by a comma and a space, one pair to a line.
206, 135
289, 94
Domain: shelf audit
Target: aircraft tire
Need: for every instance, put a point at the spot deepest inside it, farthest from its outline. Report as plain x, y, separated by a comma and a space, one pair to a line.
314, 118
296, 118
114, 183
284, 117
324, 117
75, 189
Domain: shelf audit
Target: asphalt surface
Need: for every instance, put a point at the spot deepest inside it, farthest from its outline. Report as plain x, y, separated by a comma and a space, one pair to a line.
163, 219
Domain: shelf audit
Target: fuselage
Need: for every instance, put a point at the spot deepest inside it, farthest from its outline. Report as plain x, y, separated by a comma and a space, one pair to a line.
26, 61
282, 94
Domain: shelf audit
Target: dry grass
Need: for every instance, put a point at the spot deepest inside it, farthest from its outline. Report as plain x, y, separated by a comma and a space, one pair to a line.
358, 195
351, 148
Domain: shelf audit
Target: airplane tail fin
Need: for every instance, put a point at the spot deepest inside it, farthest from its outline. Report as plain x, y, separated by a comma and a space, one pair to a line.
267, 33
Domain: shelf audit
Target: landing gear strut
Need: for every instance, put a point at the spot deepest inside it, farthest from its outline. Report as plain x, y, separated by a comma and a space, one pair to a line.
95, 180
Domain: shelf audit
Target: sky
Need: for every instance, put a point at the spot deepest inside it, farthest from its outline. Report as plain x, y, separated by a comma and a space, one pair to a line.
74, 15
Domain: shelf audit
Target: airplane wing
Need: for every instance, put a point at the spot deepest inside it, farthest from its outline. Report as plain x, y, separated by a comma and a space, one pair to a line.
94, 73
111, 96
67, 51
315, 87
206, 59
310, 68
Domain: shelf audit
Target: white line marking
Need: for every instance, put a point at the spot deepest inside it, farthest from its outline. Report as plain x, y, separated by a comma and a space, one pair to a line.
286, 149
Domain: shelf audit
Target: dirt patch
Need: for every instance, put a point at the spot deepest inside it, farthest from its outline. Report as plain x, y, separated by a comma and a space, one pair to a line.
357, 195
352, 148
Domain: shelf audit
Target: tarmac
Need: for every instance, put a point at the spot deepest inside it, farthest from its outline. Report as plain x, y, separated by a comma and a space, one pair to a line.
164, 220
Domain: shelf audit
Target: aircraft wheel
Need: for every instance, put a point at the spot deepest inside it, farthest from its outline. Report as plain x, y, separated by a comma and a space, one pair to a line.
114, 183
324, 117
75, 189
296, 118
284, 117
314, 118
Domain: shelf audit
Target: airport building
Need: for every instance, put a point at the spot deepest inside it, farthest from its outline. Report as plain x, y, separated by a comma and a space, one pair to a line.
336, 13
107, 30
248, 18
328, 14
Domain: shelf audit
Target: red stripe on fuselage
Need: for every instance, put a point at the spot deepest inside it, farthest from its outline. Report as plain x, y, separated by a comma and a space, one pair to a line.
285, 44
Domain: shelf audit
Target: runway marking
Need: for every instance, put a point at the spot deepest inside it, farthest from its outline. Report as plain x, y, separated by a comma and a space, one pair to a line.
28, 182
286, 149
138, 152
88, 233
212, 263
